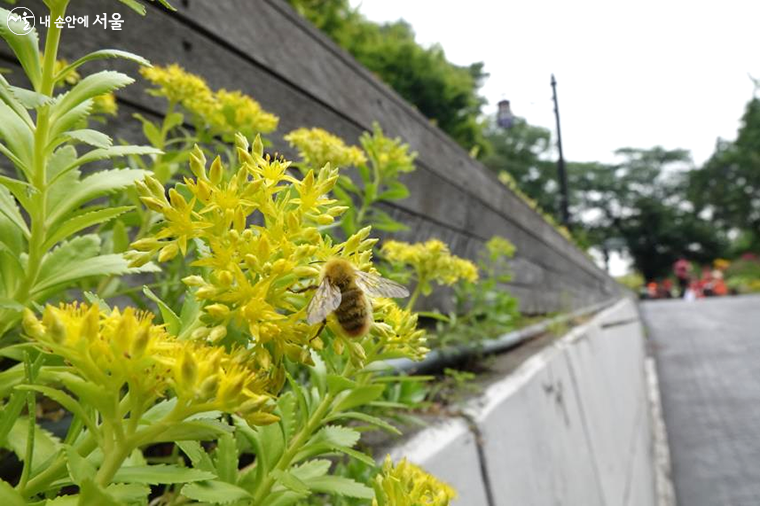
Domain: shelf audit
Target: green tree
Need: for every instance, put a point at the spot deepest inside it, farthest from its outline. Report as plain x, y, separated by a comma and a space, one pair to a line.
727, 187
443, 92
640, 204
523, 151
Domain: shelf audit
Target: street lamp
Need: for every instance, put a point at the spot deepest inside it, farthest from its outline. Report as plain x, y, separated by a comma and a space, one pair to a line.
561, 172
504, 117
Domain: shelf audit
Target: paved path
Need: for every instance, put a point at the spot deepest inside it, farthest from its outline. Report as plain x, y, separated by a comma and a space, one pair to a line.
708, 359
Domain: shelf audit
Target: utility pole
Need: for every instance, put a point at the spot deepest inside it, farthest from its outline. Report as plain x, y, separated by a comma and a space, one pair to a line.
561, 172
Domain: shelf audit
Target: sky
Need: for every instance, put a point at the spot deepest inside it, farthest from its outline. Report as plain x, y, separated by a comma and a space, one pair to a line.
673, 73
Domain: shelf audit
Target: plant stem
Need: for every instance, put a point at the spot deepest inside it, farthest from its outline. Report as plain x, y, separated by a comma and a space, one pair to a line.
31, 406
38, 212
295, 446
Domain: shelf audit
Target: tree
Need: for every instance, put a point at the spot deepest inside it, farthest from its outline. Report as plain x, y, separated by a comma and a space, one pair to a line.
641, 202
523, 152
443, 92
726, 190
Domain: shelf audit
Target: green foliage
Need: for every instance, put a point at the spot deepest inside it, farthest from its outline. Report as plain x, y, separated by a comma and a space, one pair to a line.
726, 188
483, 309
49, 200
444, 92
743, 275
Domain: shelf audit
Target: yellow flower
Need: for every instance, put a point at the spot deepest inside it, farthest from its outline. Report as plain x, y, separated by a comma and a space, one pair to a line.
317, 148
124, 348
406, 484
71, 77
432, 261
182, 87
241, 113
499, 247
398, 331
260, 230
388, 156
105, 104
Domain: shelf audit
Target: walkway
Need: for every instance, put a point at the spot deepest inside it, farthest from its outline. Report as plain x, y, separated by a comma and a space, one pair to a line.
708, 359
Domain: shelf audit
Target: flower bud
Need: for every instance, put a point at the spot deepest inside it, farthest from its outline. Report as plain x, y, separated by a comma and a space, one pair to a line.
217, 333
216, 172
178, 201
194, 281
262, 419
140, 343
153, 204
188, 369
218, 310
146, 244
168, 252
32, 326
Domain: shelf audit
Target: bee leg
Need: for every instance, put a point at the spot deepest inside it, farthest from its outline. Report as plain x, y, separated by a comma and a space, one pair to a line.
321, 328
302, 290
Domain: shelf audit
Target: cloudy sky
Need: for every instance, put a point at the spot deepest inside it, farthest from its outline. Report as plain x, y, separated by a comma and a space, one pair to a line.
670, 72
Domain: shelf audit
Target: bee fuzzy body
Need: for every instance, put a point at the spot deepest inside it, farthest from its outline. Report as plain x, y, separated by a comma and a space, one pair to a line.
344, 291
354, 313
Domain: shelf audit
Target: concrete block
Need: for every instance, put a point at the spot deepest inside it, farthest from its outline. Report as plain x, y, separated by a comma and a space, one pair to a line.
448, 450
534, 440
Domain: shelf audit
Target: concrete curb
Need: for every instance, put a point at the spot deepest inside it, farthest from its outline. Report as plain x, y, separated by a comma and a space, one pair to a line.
570, 426
666, 495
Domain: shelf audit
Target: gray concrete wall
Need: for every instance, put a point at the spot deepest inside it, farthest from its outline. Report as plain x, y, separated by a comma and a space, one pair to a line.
265, 49
570, 426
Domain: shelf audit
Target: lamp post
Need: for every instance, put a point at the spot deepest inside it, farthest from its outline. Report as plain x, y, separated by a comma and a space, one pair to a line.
561, 173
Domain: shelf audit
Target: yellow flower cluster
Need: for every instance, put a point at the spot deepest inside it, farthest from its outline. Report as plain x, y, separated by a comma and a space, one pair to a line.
398, 331
499, 247
226, 112
431, 260
241, 113
70, 78
259, 227
105, 104
181, 87
406, 484
125, 348
389, 156
317, 148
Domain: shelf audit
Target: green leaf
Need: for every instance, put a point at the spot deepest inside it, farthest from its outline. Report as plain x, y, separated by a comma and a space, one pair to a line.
59, 161
30, 99
107, 153
337, 383
197, 455
286, 410
289, 481
91, 137
63, 399
284, 498
17, 136
79, 468
9, 209
19, 189
335, 436
360, 396
355, 415
100, 55
90, 493
72, 118
382, 221
311, 469
171, 319
25, 47
396, 191
135, 6
119, 237
7, 96
96, 185
199, 430
215, 492
162, 473
90, 87
151, 132
318, 373
76, 259
226, 459
95, 299
340, 485
9, 496
83, 221
129, 492
189, 313
46, 444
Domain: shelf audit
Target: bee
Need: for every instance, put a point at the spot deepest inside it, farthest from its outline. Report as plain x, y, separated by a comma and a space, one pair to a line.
344, 290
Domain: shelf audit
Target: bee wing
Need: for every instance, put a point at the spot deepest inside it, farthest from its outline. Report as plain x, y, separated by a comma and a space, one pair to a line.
326, 300
377, 286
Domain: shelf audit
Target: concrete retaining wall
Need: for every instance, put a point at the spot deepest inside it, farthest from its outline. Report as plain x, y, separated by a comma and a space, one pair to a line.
570, 426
